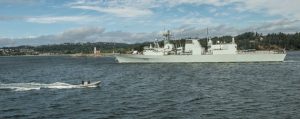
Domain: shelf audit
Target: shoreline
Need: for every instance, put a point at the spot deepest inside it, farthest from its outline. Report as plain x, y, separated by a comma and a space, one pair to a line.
65, 55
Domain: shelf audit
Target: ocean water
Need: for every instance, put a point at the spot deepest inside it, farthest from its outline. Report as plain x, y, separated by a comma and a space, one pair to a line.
47, 87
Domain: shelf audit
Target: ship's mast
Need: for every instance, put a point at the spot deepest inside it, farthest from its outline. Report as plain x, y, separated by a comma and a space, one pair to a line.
167, 36
114, 47
207, 35
207, 40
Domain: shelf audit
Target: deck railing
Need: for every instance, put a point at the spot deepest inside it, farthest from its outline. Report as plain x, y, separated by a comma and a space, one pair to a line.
263, 52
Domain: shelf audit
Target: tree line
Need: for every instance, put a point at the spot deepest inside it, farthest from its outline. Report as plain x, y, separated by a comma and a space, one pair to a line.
273, 41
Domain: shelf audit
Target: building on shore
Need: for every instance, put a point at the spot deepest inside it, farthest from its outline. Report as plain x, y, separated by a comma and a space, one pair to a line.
97, 52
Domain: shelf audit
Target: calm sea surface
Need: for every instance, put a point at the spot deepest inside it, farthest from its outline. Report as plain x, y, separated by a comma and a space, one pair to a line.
47, 87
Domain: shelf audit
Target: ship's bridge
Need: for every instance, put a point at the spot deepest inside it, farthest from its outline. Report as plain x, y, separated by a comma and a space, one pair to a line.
193, 46
224, 48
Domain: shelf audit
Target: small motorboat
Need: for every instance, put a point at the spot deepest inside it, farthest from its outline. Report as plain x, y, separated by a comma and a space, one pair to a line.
89, 84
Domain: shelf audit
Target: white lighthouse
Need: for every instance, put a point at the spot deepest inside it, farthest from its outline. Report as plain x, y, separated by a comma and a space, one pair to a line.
95, 50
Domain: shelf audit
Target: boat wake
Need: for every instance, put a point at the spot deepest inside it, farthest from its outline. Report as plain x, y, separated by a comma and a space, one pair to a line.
36, 86
291, 61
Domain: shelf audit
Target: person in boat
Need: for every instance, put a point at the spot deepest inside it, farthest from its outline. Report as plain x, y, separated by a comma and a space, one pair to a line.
89, 82
82, 82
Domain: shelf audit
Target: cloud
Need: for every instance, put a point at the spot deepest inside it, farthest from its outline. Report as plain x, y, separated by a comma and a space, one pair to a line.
273, 9
218, 14
288, 9
124, 8
283, 25
128, 37
193, 32
19, 1
6, 42
205, 22
56, 19
10, 18
52, 19
118, 11
199, 2
276, 26
136, 8
82, 34
96, 34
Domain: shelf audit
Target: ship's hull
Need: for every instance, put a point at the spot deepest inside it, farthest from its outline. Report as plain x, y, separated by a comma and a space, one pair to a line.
127, 58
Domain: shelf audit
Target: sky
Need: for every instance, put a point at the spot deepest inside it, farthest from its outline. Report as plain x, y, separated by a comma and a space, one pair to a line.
42, 22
